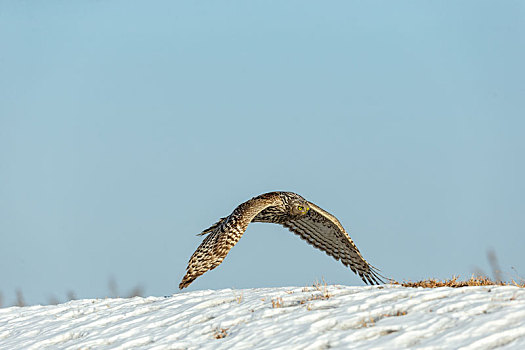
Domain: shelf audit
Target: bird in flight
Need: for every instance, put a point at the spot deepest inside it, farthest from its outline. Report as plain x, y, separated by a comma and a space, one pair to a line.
313, 224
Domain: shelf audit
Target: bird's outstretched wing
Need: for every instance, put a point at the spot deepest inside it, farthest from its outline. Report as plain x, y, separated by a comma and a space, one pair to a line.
322, 230
223, 235
317, 227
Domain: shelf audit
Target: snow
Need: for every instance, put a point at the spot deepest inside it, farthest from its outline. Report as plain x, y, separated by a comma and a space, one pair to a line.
340, 317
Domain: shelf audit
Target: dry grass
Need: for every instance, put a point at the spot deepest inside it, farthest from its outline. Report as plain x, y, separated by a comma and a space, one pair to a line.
238, 298
277, 303
370, 321
396, 314
220, 333
479, 278
315, 297
317, 287
323, 288
455, 283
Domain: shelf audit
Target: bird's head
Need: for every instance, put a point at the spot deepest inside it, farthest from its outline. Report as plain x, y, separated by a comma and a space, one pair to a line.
294, 204
299, 208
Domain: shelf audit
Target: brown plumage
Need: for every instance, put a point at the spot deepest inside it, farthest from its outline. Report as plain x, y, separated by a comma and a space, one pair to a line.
313, 224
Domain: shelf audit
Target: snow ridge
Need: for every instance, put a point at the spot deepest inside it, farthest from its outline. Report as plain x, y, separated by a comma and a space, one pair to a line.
340, 317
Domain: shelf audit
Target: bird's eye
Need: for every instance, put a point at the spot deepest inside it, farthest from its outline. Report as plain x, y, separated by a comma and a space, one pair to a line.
300, 208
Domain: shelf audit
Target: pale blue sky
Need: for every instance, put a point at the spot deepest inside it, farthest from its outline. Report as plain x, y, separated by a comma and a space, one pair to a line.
127, 127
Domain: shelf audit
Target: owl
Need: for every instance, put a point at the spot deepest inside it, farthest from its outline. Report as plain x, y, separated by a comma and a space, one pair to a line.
313, 224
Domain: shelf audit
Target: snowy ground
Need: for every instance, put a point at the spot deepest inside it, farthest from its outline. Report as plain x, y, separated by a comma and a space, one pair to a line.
389, 317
